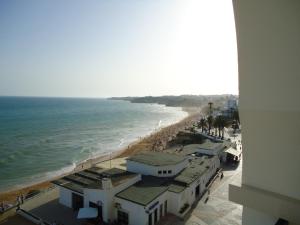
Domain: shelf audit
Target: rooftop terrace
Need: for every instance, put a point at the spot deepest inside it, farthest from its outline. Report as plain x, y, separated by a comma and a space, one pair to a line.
91, 178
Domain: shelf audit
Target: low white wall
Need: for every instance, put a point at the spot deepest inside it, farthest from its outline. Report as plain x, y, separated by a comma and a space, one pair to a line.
65, 197
174, 202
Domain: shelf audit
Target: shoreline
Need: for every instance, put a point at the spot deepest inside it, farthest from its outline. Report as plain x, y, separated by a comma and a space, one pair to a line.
156, 141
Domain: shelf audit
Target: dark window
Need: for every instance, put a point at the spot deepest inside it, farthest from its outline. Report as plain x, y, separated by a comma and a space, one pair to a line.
150, 219
166, 207
77, 201
122, 218
169, 171
197, 191
160, 211
155, 216
165, 171
159, 172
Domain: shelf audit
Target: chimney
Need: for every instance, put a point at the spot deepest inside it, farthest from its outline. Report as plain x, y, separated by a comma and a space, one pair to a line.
106, 183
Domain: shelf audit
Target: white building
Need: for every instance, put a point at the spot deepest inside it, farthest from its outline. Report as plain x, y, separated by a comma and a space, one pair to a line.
157, 164
95, 187
154, 184
232, 104
221, 149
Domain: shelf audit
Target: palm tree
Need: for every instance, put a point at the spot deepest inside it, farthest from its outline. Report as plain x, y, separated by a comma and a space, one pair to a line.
223, 124
216, 125
210, 107
236, 120
210, 121
193, 130
236, 116
202, 124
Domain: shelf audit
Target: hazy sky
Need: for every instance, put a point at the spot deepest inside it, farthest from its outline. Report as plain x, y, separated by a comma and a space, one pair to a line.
117, 48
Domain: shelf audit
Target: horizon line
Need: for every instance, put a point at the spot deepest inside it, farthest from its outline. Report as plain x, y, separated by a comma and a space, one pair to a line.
106, 97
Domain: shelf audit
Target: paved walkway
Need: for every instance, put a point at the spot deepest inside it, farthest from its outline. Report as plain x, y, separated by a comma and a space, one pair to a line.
53, 211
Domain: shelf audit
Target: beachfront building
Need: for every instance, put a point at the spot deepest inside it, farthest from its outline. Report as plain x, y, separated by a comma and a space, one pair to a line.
153, 185
157, 164
230, 106
225, 150
95, 188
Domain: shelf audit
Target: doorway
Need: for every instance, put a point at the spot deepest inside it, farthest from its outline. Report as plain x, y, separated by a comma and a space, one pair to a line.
77, 201
197, 191
99, 207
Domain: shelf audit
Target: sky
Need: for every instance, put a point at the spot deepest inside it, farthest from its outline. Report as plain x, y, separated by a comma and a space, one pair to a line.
104, 48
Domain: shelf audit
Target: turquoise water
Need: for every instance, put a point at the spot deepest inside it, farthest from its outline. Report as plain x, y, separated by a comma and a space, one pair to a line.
44, 137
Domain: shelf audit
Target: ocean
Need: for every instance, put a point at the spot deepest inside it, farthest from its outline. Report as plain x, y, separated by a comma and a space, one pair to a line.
41, 138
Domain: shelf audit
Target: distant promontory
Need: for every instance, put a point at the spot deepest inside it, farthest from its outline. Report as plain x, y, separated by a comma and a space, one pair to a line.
181, 100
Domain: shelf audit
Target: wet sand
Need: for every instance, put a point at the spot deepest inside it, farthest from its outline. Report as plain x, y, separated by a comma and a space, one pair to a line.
157, 141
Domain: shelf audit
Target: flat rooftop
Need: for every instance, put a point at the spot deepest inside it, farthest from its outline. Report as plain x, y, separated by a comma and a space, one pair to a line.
145, 191
91, 178
197, 168
157, 158
209, 145
150, 187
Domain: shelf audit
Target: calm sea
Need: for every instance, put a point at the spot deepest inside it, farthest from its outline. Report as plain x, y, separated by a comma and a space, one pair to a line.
45, 137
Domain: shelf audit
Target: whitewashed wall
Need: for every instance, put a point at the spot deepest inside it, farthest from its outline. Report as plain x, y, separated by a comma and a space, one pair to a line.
174, 202
144, 169
107, 197
65, 196
138, 214
189, 194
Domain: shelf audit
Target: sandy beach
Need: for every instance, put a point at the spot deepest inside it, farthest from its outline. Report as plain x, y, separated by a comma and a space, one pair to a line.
157, 141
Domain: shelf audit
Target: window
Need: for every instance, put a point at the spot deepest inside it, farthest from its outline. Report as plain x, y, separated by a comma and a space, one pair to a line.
159, 172
165, 172
150, 219
122, 218
169, 171
166, 207
160, 210
155, 216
